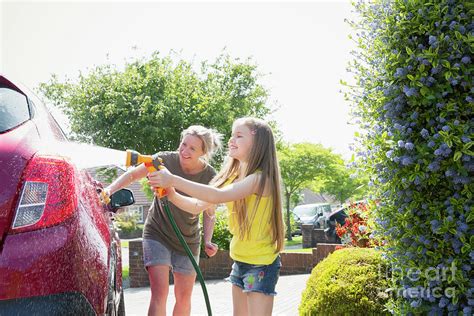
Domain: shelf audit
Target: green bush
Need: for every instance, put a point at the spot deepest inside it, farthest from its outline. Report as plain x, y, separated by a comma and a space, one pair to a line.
293, 224
221, 235
347, 282
414, 99
127, 222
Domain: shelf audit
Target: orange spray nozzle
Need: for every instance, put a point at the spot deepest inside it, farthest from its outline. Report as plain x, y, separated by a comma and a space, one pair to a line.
134, 158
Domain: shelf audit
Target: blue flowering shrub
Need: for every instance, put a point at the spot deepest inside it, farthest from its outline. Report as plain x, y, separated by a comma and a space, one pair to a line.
413, 97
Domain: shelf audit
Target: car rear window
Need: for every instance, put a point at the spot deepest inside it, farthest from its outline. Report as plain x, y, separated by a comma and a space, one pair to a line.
311, 209
14, 109
324, 208
305, 210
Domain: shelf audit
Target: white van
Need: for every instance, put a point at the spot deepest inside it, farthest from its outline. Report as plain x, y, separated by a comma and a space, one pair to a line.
314, 214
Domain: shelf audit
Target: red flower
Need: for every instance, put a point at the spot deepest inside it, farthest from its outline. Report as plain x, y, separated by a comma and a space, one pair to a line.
350, 232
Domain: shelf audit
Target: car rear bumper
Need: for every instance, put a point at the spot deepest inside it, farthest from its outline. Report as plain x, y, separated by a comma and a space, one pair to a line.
67, 258
56, 304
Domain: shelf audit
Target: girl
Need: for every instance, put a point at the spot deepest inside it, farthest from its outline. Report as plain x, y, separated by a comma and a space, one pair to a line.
250, 184
161, 247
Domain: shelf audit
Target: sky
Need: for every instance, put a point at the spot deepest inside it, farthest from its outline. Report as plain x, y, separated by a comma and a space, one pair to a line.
302, 48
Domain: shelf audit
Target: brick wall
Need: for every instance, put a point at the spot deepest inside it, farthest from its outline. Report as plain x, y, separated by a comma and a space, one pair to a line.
306, 232
137, 273
313, 236
296, 263
219, 266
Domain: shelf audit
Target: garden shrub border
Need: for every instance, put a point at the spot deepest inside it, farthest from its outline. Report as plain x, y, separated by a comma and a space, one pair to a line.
413, 98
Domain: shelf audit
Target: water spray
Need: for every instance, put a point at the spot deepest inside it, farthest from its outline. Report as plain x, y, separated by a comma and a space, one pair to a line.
154, 163
85, 156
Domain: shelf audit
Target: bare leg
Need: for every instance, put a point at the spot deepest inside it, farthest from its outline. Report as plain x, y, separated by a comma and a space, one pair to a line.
239, 301
260, 304
183, 289
159, 285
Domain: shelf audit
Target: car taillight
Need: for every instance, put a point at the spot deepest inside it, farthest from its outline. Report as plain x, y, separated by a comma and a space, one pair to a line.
48, 196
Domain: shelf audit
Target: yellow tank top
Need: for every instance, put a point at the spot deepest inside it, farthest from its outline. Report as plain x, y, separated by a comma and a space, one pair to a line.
257, 248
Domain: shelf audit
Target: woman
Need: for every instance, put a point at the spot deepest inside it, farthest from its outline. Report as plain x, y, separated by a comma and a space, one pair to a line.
161, 247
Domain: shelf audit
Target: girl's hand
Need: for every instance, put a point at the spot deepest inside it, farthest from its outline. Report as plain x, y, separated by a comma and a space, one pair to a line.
210, 248
160, 179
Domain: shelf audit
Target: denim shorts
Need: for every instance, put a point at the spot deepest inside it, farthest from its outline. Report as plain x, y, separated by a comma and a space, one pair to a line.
155, 253
256, 278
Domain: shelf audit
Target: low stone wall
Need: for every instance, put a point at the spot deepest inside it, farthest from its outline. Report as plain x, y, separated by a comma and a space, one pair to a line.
137, 273
314, 236
219, 266
138, 233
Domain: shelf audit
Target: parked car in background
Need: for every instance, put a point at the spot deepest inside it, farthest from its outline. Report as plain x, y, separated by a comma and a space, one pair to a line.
59, 252
314, 214
336, 217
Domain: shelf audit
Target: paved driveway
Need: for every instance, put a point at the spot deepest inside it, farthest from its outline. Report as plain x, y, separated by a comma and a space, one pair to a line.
289, 289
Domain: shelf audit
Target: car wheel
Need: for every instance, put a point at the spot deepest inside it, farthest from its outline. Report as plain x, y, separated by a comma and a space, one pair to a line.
121, 308
111, 309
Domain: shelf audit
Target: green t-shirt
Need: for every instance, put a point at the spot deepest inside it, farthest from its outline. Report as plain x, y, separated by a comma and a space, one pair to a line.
157, 225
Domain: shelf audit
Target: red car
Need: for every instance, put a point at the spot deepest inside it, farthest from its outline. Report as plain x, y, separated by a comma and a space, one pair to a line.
59, 252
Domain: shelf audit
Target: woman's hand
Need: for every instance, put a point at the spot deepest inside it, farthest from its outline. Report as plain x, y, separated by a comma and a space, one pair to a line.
160, 179
211, 212
104, 195
210, 248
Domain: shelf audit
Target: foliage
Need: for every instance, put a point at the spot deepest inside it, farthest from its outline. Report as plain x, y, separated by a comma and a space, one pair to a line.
221, 235
147, 189
127, 222
298, 240
301, 166
106, 174
347, 282
344, 183
293, 225
125, 272
356, 230
149, 103
414, 99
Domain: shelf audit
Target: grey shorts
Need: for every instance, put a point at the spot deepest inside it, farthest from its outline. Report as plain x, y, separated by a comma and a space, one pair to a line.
155, 253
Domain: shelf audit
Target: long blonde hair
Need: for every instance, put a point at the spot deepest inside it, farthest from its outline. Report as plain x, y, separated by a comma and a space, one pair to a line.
262, 159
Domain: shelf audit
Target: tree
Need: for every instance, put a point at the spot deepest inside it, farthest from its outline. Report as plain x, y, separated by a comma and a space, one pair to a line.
302, 165
148, 104
343, 182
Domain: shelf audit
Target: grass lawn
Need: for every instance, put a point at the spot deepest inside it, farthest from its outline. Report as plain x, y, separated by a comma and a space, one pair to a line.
302, 250
125, 272
296, 240
125, 269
